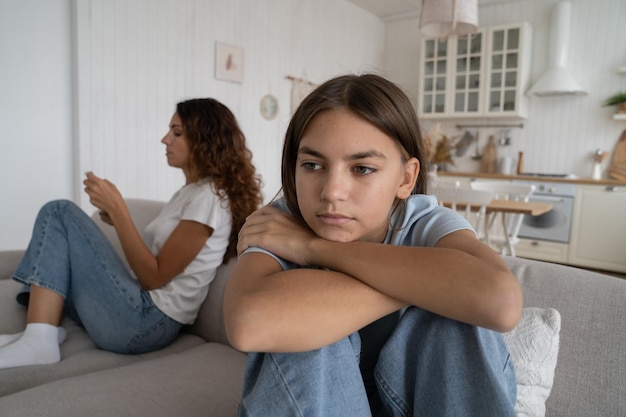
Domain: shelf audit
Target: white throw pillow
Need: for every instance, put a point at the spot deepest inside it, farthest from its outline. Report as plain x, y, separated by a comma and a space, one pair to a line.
534, 347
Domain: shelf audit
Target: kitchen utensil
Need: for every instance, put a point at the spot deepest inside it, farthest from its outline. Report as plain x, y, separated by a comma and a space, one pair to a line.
506, 165
490, 156
617, 169
520, 162
505, 140
477, 156
464, 143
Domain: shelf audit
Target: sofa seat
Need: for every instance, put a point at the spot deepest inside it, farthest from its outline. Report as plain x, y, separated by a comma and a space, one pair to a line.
201, 381
80, 355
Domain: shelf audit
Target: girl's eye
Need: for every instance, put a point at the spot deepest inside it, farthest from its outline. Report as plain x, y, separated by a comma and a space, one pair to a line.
363, 170
311, 166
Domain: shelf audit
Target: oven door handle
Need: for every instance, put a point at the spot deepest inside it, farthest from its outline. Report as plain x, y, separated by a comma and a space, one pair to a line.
547, 198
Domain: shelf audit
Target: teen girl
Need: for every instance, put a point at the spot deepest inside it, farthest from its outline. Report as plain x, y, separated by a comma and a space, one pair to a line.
360, 295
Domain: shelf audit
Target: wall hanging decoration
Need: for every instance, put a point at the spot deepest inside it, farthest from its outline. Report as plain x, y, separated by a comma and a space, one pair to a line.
269, 106
228, 62
300, 88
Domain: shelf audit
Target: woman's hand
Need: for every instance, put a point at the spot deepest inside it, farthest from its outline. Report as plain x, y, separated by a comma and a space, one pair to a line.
104, 195
277, 232
104, 216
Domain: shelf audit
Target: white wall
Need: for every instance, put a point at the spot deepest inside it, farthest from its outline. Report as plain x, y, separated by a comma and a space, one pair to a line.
137, 59
134, 61
35, 112
560, 133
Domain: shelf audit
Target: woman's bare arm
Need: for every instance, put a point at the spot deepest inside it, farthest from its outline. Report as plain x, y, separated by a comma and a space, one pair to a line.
181, 247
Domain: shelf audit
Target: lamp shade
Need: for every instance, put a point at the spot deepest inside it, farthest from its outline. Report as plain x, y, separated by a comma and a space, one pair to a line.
441, 18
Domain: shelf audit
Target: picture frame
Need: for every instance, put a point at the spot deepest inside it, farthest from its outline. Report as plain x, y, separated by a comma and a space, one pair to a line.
228, 62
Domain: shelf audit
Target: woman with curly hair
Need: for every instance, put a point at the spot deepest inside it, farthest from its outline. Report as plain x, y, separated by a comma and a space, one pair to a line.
70, 265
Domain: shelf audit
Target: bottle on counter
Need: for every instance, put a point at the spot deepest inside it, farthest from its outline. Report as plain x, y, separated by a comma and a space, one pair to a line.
520, 162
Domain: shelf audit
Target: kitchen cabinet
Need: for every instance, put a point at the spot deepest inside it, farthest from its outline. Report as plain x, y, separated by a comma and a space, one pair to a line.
484, 74
599, 228
542, 250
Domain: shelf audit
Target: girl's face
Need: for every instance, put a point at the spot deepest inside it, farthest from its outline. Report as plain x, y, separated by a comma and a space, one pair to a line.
177, 145
348, 175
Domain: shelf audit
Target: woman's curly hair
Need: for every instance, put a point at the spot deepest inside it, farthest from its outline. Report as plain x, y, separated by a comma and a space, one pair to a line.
218, 152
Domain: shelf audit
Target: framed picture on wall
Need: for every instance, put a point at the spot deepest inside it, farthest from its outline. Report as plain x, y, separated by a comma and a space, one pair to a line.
228, 62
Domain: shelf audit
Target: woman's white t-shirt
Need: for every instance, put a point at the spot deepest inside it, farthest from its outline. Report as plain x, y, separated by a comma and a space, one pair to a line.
182, 297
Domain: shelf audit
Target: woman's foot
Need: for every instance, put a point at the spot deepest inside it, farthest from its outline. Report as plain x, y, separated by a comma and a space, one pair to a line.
38, 345
7, 339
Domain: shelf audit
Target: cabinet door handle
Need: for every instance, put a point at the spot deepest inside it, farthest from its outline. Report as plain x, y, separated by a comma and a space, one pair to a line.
611, 188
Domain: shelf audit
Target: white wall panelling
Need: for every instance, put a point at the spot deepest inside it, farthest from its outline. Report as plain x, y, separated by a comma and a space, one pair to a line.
36, 160
134, 60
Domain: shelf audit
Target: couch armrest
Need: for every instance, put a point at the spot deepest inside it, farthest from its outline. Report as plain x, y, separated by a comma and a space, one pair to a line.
8, 262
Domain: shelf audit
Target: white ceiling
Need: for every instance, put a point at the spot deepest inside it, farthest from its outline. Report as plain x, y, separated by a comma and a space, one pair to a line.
388, 9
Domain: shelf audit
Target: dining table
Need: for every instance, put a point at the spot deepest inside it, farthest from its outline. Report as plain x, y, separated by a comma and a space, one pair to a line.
509, 206
505, 207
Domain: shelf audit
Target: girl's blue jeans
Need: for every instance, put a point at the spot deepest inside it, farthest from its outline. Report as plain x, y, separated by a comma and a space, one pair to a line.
430, 366
69, 254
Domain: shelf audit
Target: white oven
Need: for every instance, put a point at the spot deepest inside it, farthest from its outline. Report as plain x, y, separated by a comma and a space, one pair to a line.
553, 226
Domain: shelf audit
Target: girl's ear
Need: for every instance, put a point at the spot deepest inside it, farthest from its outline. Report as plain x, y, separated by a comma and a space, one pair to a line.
411, 172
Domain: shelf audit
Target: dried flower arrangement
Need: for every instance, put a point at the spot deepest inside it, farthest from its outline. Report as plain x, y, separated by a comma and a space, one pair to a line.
438, 147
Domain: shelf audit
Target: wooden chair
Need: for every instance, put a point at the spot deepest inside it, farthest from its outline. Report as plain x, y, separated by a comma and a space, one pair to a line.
472, 204
504, 236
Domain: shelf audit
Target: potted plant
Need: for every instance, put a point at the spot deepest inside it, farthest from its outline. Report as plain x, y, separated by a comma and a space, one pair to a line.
619, 100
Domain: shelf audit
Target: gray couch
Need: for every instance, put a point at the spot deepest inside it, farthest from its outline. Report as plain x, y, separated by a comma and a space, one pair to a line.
201, 375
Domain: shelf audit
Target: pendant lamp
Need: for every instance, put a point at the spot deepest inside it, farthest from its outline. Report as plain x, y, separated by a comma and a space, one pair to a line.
442, 18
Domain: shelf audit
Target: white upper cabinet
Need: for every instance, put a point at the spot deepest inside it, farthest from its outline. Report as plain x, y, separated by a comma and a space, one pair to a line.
484, 74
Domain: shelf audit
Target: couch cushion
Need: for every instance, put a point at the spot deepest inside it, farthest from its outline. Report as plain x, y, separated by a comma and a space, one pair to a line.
590, 376
79, 354
534, 347
210, 321
203, 381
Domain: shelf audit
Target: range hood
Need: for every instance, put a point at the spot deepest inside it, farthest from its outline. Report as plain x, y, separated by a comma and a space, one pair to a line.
558, 80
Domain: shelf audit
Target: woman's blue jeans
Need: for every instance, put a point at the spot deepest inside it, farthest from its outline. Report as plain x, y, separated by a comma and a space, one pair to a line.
430, 366
69, 254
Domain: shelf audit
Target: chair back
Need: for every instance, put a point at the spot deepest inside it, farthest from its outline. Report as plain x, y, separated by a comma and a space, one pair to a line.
511, 222
472, 204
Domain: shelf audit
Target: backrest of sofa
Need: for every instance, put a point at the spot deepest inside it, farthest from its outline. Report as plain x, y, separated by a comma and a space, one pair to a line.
210, 322
590, 376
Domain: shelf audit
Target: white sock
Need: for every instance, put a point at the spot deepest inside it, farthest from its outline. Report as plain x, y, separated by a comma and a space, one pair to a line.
7, 339
39, 345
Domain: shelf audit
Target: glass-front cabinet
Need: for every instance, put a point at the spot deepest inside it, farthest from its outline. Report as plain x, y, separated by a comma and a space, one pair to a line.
435, 70
468, 67
484, 74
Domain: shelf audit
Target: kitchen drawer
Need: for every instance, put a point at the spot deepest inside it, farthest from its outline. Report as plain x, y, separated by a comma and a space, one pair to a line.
542, 250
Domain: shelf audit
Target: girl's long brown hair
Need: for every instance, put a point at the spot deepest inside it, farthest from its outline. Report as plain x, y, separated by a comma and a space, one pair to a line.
369, 96
219, 152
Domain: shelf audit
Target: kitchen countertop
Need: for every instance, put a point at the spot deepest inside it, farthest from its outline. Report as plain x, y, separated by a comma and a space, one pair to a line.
589, 181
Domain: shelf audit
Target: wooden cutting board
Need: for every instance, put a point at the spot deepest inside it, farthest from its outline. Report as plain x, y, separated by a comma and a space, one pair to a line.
490, 157
617, 169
